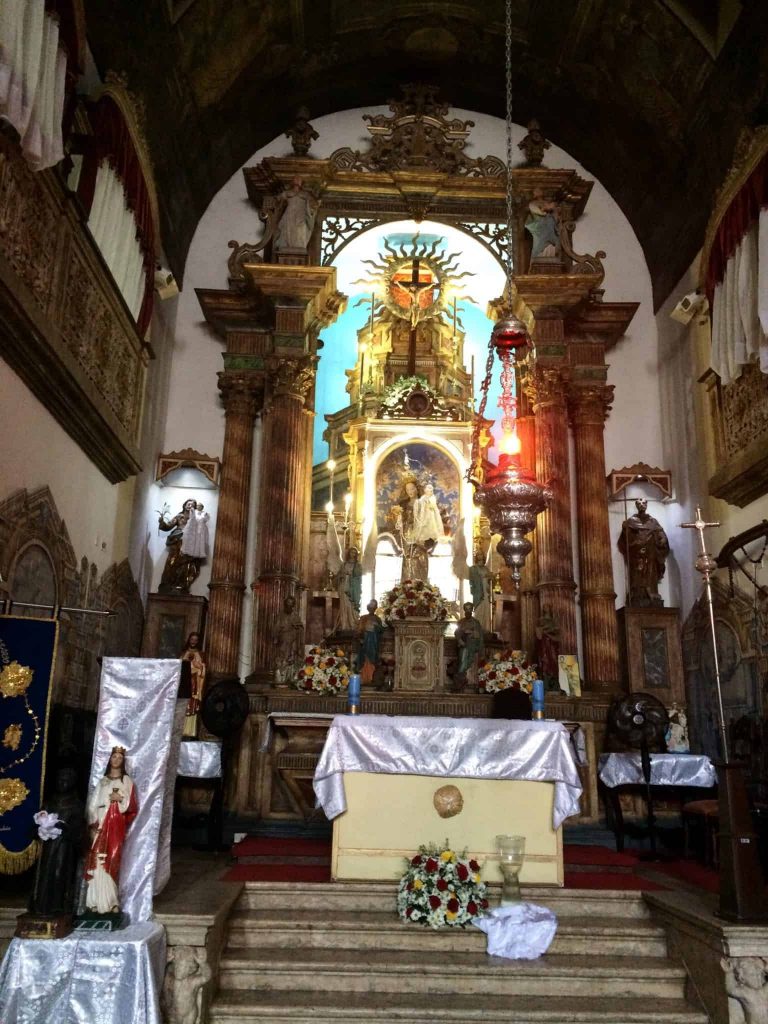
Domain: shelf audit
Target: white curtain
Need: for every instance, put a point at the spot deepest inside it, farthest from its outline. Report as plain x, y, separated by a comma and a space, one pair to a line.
32, 79
113, 228
740, 307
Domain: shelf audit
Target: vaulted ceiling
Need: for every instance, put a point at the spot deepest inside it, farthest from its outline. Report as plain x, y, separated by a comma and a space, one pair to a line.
649, 95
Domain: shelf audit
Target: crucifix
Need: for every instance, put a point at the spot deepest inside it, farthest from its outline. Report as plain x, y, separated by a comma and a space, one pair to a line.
742, 891
414, 290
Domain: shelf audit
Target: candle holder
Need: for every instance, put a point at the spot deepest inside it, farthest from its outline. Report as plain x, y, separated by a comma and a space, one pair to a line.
511, 856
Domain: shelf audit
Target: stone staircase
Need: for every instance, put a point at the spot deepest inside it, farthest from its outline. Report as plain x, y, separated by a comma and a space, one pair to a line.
316, 953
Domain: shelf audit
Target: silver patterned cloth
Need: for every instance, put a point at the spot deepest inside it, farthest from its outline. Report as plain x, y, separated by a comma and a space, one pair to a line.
666, 770
200, 759
469, 748
137, 701
104, 978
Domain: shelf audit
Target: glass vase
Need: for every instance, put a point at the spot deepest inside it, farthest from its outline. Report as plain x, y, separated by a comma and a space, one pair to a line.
511, 856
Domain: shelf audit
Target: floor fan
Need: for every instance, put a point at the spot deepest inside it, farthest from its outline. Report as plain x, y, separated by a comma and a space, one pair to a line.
224, 711
640, 721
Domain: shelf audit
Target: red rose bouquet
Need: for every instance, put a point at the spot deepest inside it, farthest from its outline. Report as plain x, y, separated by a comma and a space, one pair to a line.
441, 888
325, 670
506, 670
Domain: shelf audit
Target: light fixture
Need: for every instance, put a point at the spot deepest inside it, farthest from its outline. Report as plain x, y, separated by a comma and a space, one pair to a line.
331, 464
329, 507
509, 495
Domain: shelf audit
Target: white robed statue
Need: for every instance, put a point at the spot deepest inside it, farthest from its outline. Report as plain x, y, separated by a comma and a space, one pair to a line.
427, 521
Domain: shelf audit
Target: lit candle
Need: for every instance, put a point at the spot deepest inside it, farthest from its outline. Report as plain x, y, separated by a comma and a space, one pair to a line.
353, 694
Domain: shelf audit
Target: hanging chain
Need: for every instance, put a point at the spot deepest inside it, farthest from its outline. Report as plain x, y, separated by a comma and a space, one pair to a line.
510, 154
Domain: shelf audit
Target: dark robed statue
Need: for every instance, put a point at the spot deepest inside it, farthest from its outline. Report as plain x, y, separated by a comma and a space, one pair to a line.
645, 547
54, 888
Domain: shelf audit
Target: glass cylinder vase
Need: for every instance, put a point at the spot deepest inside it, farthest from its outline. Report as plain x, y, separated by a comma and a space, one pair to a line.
511, 856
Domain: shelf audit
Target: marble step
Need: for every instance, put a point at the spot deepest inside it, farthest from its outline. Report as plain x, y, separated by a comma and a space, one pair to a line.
589, 935
329, 898
386, 972
305, 1007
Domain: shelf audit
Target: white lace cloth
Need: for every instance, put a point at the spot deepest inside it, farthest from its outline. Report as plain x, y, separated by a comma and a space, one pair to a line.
666, 770
87, 978
522, 931
447, 747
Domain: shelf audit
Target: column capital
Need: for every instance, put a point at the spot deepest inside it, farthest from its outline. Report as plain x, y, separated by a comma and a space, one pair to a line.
292, 376
546, 386
242, 393
590, 403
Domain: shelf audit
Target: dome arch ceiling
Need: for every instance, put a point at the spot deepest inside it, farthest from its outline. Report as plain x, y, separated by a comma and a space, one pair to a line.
626, 86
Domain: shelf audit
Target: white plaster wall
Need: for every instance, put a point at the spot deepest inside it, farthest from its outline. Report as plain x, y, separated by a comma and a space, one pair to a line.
634, 430
38, 452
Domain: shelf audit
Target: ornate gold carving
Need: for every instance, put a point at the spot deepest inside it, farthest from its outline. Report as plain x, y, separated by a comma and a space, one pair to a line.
208, 465
12, 736
547, 385
590, 403
301, 133
533, 145
745, 410
448, 801
242, 393
248, 252
619, 479
416, 135
12, 793
293, 377
15, 679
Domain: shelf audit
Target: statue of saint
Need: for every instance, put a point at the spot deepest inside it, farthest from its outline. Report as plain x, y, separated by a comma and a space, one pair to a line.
196, 658
548, 648
288, 639
470, 644
187, 546
349, 585
645, 547
296, 212
543, 226
427, 521
406, 518
111, 808
53, 893
370, 628
481, 588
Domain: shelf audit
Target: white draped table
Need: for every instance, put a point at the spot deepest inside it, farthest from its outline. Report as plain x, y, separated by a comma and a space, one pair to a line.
87, 978
377, 776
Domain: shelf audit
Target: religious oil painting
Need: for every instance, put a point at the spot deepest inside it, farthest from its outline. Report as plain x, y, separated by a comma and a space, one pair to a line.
430, 473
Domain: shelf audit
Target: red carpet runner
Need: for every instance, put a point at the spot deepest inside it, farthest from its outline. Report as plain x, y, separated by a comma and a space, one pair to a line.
586, 867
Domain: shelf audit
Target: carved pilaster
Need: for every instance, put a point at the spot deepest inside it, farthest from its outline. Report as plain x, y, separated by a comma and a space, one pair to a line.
554, 544
589, 405
242, 394
283, 513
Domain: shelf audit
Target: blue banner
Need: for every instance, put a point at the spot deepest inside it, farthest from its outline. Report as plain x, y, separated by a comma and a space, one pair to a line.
27, 658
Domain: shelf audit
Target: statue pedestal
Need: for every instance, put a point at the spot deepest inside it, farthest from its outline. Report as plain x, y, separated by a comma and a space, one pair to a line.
170, 619
419, 654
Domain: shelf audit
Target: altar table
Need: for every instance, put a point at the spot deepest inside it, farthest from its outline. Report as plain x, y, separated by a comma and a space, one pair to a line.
377, 776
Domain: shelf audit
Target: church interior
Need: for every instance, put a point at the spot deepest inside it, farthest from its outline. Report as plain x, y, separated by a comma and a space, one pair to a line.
385, 394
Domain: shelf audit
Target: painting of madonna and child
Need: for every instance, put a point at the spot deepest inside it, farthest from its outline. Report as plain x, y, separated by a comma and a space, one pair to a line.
417, 519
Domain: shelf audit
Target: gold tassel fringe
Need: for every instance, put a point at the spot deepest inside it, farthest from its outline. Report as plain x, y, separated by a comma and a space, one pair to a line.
14, 863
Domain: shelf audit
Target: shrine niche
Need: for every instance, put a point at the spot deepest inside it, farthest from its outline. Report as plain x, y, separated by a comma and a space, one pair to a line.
391, 500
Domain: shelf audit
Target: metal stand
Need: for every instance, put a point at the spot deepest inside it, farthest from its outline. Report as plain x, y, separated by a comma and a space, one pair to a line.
742, 888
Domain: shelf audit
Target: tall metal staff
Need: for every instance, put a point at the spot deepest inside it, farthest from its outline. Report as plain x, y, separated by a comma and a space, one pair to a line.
742, 889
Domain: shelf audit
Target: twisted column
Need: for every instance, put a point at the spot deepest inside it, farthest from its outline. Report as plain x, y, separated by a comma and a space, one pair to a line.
286, 468
589, 406
554, 543
242, 394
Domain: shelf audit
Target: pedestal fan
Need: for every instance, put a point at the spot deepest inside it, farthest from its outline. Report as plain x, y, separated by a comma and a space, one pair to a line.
224, 710
640, 722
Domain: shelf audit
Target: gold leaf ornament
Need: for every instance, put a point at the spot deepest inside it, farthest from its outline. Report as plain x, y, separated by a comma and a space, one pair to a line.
12, 793
12, 737
15, 679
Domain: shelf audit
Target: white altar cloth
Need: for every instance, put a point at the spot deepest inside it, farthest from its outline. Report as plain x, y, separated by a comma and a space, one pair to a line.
470, 748
666, 770
87, 978
199, 759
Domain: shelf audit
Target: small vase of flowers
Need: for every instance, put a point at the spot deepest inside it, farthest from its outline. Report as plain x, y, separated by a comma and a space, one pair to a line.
441, 889
506, 670
325, 670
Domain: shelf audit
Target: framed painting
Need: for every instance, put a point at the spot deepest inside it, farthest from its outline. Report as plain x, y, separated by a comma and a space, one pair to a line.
652, 652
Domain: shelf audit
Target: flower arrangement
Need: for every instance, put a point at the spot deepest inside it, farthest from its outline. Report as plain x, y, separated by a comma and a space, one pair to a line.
413, 598
441, 889
325, 670
506, 670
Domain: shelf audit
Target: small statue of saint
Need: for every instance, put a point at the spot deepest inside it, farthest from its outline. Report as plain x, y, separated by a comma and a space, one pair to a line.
196, 657
405, 517
645, 547
301, 133
370, 628
542, 224
111, 808
470, 644
548, 648
481, 588
187, 545
427, 521
60, 827
288, 639
349, 586
295, 217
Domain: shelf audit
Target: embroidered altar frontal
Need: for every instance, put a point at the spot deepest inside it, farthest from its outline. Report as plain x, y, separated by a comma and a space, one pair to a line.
27, 656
